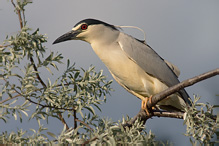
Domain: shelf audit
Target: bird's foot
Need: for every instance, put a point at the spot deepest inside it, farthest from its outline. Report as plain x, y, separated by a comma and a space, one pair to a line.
144, 104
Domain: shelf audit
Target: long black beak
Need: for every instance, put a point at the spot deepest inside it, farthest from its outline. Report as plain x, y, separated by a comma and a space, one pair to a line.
71, 35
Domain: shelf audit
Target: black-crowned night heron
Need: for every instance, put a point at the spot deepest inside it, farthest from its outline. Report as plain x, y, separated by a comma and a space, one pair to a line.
132, 63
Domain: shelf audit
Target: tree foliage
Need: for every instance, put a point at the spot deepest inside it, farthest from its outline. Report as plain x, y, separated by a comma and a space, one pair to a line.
76, 91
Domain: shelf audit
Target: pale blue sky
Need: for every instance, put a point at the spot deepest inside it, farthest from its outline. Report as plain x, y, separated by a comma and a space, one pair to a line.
185, 33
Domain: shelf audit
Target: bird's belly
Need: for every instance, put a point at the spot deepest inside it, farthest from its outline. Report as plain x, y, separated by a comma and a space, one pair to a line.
128, 74
139, 83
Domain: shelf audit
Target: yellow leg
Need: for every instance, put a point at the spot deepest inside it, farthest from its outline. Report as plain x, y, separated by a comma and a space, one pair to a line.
144, 104
150, 98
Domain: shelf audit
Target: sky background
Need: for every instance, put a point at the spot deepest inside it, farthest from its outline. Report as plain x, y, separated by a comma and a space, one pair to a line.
186, 33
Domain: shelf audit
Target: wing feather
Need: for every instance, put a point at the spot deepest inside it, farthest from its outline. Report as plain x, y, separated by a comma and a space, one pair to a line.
174, 68
150, 62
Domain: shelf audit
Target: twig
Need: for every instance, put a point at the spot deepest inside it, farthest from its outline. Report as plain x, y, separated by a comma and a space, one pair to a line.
1, 46
169, 114
144, 117
87, 142
59, 108
37, 74
84, 124
59, 114
75, 119
9, 98
24, 17
19, 94
63, 121
13, 3
19, 14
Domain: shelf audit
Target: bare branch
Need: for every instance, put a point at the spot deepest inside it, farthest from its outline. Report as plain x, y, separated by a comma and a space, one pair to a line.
44, 106
2, 46
59, 114
19, 14
9, 98
19, 94
84, 124
13, 3
160, 96
37, 74
88, 141
144, 117
178, 115
63, 120
75, 119
189, 82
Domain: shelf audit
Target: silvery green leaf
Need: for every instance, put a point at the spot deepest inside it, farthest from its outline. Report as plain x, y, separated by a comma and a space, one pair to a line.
52, 134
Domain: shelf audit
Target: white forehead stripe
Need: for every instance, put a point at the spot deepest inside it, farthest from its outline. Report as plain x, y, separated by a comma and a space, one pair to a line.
77, 27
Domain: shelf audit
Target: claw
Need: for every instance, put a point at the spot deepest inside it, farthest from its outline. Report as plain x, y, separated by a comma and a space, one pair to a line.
150, 99
144, 104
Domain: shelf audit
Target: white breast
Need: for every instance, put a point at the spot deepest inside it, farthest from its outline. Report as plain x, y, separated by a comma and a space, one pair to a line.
125, 70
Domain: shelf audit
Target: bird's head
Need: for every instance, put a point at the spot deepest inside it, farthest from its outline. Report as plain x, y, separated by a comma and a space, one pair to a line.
90, 30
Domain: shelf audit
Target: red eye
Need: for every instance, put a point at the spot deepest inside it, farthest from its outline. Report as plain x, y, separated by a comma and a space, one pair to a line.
84, 26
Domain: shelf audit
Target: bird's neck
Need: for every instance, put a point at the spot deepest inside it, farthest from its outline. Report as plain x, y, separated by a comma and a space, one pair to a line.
104, 37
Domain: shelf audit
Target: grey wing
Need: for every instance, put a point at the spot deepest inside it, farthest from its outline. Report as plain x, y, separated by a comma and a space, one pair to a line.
174, 68
150, 62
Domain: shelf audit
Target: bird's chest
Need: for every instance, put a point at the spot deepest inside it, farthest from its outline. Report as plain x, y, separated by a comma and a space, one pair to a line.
124, 70
116, 60
113, 57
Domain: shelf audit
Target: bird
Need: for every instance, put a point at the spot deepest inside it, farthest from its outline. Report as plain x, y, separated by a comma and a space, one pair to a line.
132, 63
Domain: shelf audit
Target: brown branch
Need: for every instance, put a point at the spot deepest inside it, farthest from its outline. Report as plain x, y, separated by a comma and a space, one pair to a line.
160, 96
13, 3
20, 19
90, 140
59, 114
4, 46
84, 124
144, 117
23, 17
75, 119
9, 98
19, 14
59, 108
63, 120
169, 114
19, 94
186, 83
37, 74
